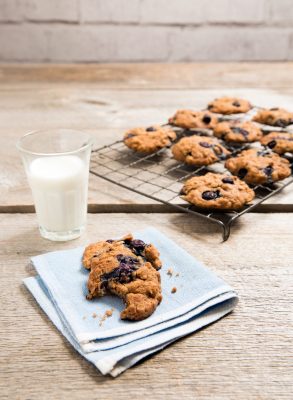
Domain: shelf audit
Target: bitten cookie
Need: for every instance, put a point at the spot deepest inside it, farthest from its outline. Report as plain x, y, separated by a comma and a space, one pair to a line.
217, 191
199, 150
279, 142
258, 166
237, 131
149, 140
274, 117
189, 119
229, 105
127, 268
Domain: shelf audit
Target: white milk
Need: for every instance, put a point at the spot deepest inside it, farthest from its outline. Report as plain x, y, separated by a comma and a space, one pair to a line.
59, 186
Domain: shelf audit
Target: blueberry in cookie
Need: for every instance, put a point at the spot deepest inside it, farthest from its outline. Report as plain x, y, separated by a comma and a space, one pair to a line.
127, 268
189, 119
237, 131
274, 117
229, 105
199, 150
149, 140
256, 166
279, 142
217, 191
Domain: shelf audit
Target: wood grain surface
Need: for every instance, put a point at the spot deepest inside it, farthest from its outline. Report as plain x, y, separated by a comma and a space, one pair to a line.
155, 75
105, 100
247, 355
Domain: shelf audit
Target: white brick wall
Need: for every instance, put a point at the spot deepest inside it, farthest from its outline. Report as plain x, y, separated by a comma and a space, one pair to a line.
145, 30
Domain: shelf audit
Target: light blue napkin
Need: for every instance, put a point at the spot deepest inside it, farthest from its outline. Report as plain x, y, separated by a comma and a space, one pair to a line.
201, 298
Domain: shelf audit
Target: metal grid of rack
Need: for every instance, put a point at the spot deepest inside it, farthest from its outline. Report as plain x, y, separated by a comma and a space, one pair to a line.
160, 177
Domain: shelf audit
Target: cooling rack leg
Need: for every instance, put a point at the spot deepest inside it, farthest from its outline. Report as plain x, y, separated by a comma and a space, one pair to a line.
226, 231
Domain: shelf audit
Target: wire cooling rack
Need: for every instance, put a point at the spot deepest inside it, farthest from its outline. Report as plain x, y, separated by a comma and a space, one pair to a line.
160, 177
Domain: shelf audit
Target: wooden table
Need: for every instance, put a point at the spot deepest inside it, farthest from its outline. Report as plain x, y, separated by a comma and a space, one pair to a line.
247, 355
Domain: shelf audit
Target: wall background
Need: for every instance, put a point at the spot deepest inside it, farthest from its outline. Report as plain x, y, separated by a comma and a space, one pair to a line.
145, 30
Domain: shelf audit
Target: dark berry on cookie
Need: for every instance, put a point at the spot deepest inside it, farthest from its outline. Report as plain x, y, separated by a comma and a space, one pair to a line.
129, 135
110, 241
281, 123
240, 130
236, 104
242, 172
211, 195
228, 180
205, 144
206, 119
272, 144
150, 129
268, 170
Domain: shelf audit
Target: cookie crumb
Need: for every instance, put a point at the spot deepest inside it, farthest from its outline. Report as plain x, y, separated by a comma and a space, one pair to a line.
107, 314
174, 290
84, 317
170, 272
177, 274
94, 315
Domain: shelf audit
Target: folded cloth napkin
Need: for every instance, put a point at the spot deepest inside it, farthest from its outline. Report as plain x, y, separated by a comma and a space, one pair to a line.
115, 345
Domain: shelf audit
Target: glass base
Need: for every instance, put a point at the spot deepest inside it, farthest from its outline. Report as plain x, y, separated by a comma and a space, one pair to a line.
61, 236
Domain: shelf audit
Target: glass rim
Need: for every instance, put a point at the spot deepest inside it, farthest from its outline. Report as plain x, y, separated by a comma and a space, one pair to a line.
63, 153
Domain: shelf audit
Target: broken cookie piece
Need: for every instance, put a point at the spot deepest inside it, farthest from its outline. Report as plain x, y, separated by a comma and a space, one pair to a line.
126, 268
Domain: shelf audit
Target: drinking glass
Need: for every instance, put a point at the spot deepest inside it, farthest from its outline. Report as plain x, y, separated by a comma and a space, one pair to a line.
56, 162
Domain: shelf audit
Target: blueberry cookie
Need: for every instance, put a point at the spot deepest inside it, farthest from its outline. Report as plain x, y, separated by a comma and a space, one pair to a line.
127, 268
279, 142
237, 131
274, 117
199, 150
257, 166
189, 119
229, 105
149, 140
217, 191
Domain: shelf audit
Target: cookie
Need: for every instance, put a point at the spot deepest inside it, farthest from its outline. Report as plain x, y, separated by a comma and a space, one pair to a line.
217, 191
127, 268
274, 117
279, 142
257, 166
189, 119
237, 131
199, 150
229, 105
149, 140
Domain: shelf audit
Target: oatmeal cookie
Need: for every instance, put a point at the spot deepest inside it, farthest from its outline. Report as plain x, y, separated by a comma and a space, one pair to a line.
229, 105
257, 166
274, 117
199, 150
217, 191
189, 119
149, 140
127, 268
237, 131
279, 142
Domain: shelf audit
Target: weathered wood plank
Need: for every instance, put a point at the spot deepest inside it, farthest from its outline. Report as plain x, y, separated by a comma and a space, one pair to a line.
247, 355
106, 114
154, 76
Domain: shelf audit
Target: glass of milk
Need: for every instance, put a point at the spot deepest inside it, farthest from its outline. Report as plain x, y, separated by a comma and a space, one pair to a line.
57, 166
